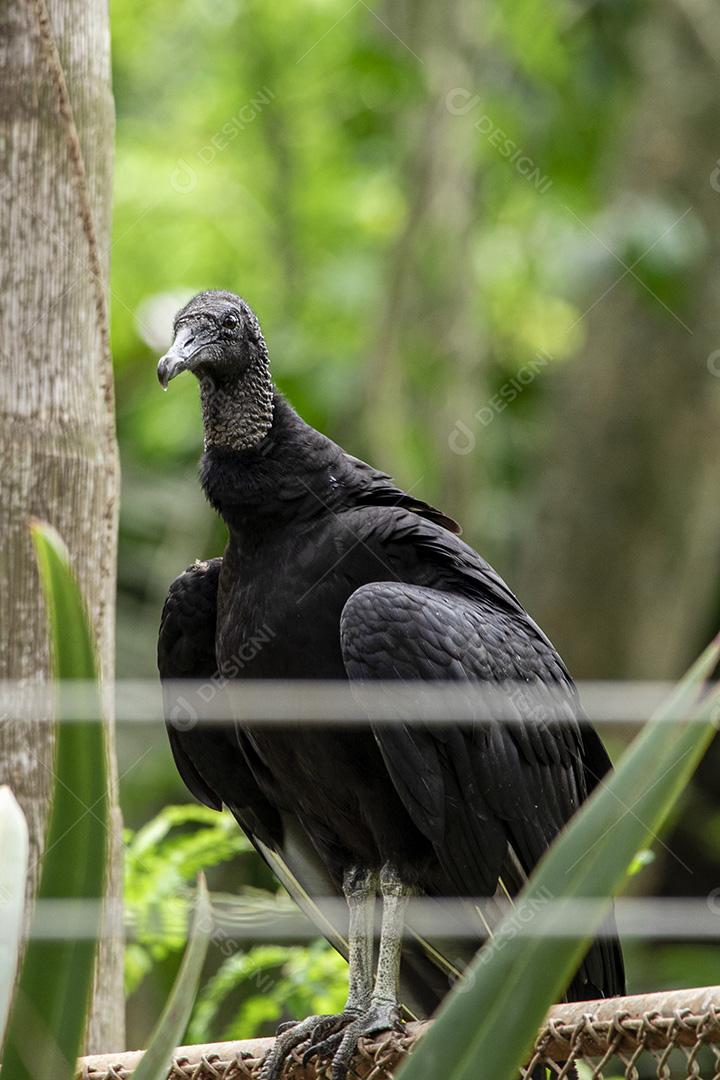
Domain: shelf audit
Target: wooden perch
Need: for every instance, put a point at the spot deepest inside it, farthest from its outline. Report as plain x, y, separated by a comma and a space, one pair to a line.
587, 1029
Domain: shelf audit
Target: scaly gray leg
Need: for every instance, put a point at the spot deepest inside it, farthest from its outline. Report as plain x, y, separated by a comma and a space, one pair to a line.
382, 1012
395, 900
359, 887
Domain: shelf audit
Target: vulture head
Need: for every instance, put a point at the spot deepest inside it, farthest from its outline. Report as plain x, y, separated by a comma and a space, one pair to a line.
216, 336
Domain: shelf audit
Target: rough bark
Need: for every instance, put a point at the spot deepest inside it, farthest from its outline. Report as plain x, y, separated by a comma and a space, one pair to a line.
58, 458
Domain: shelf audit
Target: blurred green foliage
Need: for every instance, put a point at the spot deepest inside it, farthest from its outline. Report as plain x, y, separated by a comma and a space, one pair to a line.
170, 1027
162, 860
255, 986
402, 193
274, 981
279, 152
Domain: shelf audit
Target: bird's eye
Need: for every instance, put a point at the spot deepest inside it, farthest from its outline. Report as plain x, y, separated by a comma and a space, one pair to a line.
230, 321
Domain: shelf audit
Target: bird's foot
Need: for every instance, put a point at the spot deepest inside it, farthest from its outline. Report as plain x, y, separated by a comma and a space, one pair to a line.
340, 1046
313, 1030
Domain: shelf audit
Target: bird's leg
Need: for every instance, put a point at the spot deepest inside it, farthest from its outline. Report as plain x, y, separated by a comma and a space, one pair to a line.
382, 1012
359, 887
395, 900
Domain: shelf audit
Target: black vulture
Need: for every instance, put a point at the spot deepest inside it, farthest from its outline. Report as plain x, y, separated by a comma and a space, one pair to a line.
347, 577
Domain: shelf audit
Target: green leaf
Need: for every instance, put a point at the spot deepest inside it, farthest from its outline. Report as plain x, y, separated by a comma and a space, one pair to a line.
162, 860
48, 1013
236, 970
13, 874
486, 1027
171, 1025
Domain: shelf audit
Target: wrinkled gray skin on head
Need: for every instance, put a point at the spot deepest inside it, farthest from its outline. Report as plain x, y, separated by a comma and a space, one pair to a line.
218, 339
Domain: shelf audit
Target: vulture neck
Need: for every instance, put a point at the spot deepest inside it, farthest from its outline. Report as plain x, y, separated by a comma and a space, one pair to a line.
238, 410
290, 474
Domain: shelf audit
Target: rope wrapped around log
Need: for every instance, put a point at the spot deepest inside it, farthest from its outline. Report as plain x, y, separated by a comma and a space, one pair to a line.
617, 1029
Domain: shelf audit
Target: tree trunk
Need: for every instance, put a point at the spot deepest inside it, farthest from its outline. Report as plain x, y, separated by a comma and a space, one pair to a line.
57, 439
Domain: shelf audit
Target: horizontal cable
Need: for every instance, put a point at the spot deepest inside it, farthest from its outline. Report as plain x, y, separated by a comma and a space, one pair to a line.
679, 918
265, 701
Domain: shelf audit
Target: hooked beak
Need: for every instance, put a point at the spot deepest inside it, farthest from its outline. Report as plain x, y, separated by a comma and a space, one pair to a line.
179, 356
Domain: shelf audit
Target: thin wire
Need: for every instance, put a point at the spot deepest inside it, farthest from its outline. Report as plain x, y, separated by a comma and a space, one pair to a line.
278, 918
267, 701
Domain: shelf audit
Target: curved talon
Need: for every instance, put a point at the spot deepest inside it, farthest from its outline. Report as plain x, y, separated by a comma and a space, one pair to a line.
286, 1026
325, 1025
290, 1035
331, 1036
341, 1045
326, 1047
376, 1019
342, 1058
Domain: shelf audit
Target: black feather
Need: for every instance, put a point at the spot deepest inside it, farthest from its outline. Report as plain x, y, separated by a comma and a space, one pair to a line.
341, 575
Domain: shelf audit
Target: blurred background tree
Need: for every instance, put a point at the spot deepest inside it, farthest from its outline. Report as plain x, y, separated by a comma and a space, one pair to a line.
482, 241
